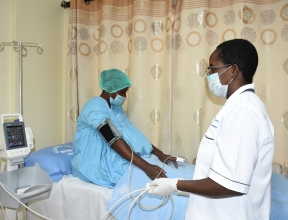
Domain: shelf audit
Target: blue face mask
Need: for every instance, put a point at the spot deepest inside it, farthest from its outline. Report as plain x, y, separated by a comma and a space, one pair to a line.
119, 100
216, 86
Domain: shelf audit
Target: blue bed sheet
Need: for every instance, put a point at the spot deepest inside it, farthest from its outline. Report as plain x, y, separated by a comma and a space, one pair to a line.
279, 203
138, 180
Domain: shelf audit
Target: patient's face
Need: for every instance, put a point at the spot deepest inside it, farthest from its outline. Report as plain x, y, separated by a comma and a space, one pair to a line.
122, 92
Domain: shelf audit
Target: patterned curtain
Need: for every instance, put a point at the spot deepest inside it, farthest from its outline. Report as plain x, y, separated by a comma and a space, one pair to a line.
164, 47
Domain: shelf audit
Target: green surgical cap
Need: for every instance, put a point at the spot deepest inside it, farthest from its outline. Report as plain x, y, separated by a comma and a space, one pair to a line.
114, 80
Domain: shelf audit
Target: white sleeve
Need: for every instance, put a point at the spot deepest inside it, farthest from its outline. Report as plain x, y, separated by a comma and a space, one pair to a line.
236, 153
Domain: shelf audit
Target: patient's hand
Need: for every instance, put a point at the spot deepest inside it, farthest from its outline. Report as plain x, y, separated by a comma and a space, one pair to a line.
153, 171
166, 158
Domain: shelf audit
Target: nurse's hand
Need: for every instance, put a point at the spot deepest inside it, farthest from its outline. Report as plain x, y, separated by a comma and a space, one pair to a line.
153, 171
162, 186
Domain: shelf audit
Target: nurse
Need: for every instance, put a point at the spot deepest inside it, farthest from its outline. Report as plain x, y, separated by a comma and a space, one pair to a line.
234, 161
104, 137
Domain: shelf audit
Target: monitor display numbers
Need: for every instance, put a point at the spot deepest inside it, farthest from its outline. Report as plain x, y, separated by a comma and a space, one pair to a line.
15, 139
15, 136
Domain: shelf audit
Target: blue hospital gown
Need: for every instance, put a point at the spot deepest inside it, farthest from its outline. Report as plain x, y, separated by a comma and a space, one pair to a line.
93, 159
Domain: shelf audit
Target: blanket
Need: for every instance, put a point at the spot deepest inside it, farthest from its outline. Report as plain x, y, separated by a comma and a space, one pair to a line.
279, 200
138, 180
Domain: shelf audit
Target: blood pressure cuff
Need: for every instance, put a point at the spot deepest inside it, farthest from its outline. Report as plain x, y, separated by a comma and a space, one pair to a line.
109, 131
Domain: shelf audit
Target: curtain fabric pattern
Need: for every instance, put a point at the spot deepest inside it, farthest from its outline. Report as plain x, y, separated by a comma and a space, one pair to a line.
164, 47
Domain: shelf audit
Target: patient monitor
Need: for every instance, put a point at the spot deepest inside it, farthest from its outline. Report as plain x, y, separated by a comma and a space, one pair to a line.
18, 184
18, 140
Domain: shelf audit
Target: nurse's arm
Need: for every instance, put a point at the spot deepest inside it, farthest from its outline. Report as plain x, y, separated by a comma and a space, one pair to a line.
124, 150
206, 187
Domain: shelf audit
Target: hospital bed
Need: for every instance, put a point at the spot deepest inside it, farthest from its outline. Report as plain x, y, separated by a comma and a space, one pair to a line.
73, 199
70, 197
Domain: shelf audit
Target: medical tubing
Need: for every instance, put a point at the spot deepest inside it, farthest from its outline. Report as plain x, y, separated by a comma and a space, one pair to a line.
149, 208
116, 213
130, 193
139, 196
7, 190
162, 166
121, 200
130, 166
172, 210
4, 211
146, 208
129, 170
135, 200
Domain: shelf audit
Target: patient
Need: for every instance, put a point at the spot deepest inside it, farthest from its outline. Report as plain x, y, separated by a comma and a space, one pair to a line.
104, 137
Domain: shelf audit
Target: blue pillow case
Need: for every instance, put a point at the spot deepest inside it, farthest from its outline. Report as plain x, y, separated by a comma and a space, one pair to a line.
54, 160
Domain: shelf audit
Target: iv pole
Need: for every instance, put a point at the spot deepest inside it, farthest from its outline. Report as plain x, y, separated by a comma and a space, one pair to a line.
21, 49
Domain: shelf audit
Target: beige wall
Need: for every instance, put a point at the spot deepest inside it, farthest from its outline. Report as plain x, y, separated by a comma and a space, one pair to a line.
44, 22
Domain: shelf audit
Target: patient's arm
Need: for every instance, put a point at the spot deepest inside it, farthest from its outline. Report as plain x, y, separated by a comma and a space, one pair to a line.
206, 187
123, 149
164, 157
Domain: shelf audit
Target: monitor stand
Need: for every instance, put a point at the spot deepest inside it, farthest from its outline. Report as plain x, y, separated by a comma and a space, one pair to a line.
11, 213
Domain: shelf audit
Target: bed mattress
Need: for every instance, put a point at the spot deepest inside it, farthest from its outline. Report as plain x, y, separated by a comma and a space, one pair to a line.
72, 198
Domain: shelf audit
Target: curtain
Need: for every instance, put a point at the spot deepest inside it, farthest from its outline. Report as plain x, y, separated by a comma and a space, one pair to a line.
164, 47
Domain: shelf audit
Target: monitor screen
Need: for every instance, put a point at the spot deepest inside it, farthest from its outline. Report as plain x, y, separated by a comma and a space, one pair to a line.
14, 134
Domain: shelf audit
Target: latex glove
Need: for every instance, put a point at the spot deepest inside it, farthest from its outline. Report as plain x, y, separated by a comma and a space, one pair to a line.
183, 193
162, 186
